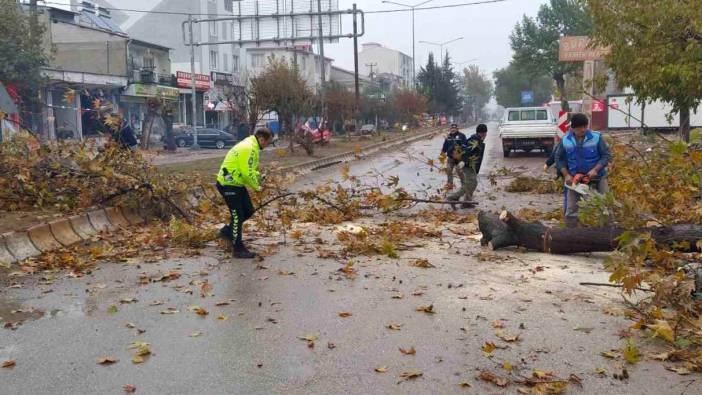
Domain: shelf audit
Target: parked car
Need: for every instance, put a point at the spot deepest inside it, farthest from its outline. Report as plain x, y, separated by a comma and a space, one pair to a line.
206, 137
527, 128
368, 128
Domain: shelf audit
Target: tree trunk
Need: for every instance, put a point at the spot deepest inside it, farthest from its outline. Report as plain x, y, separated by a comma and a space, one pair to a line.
506, 230
560, 83
146, 132
685, 124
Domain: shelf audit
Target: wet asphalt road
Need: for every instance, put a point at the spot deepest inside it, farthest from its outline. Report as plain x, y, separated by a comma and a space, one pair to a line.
255, 348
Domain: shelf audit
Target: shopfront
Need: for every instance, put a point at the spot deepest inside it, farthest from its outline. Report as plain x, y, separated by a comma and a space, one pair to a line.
184, 108
134, 103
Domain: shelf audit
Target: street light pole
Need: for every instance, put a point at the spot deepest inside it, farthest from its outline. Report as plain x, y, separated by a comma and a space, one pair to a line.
411, 7
441, 46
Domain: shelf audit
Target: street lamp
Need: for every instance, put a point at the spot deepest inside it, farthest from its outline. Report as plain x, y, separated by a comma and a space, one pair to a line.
466, 61
441, 46
412, 7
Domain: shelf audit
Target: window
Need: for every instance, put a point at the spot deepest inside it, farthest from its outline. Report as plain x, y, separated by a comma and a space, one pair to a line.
224, 31
257, 60
513, 116
528, 115
235, 63
541, 115
213, 60
148, 62
303, 63
225, 63
212, 27
228, 5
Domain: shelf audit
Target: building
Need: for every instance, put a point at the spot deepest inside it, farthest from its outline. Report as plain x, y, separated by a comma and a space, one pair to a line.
375, 58
347, 79
308, 63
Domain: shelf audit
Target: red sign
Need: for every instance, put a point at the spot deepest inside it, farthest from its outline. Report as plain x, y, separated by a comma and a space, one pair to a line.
614, 104
184, 80
598, 106
563, 122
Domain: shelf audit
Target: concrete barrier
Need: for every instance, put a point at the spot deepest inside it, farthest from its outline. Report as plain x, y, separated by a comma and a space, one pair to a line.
99, 220
82, 226
43, 238
20, 245
64, 233
6, 257
116, 218
133, 216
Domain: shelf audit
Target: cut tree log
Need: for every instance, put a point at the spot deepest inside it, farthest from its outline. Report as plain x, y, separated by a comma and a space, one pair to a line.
506, 230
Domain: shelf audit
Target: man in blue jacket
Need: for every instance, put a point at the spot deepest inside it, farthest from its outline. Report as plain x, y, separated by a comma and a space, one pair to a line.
582, 153
454, 139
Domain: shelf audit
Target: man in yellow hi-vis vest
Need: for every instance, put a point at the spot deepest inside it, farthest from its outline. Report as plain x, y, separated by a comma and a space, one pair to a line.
238, 171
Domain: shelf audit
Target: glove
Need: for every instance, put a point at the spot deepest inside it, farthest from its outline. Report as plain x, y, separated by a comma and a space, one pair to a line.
461, 165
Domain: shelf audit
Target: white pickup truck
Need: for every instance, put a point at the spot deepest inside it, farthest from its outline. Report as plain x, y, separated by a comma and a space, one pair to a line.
527, 129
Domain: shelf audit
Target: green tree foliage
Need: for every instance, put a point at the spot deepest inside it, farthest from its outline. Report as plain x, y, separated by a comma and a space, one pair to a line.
438, 83
511, 81
535, 40
477, 90
281, 89
656, 48
21, 52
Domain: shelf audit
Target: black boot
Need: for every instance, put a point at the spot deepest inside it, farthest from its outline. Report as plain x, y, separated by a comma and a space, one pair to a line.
241, 252
225, 232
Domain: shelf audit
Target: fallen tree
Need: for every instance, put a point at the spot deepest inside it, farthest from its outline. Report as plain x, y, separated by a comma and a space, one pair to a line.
506, 230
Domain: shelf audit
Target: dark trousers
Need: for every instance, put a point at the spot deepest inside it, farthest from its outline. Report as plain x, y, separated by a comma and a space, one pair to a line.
240, 209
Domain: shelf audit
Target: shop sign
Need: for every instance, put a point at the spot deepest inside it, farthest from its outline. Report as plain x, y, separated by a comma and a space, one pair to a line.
184, 80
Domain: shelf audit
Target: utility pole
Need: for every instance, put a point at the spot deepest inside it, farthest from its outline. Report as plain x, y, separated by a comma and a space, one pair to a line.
370, 66
355, 57
321, 58
192, 81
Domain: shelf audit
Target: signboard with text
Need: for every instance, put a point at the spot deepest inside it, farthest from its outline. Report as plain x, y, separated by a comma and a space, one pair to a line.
577, 49
184, 80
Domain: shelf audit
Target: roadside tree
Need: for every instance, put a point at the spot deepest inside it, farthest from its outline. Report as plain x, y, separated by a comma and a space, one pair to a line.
656, 48
511, 81
477, 90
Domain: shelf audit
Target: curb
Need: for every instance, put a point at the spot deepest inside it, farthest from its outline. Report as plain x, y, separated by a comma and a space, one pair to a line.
20, 245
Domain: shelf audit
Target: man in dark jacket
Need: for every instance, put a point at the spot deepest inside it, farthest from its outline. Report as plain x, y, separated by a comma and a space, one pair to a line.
469, 158
582, 152
455, 138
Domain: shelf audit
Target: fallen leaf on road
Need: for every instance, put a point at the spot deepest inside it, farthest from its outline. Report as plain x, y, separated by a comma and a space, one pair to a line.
630, 352
196, 334
156, 303
112, 309
129, 388
498, 324
394, 327
199, 311
8, 363
410, 374
331, 345
601, 371
464, 384
608, 354
426, 309
583, 329
344, 314
507, 366
493, 378
170, 310
223, 303
309, 338
285, 273
128, 300
661, 357
398, 296
381, 369
662, 328
681, 370
107, 360
205, 289
222, 317
541, 374
506, 337
423, 263
408, 351
130, 325
488, 347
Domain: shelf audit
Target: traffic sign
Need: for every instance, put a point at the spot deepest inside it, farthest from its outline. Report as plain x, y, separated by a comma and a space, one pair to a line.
563, 123
527, 97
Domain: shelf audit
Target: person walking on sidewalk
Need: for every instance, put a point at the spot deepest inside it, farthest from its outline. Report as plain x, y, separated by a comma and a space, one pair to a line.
469, 157
454, 139
582, 153
239, 170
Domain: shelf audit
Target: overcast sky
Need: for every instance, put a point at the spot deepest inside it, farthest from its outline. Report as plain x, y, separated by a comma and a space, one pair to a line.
485, 29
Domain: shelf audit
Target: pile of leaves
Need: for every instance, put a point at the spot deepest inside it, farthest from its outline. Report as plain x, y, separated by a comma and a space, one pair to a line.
656, 184
385, 239
534, 185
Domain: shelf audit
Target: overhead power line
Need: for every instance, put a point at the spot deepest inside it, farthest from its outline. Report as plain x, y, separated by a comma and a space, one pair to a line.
366, 12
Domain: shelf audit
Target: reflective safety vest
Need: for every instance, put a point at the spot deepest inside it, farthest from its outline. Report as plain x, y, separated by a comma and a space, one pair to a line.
583, 158
240, 166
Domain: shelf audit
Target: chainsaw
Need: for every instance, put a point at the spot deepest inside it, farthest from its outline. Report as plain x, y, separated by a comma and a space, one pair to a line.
581, 184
